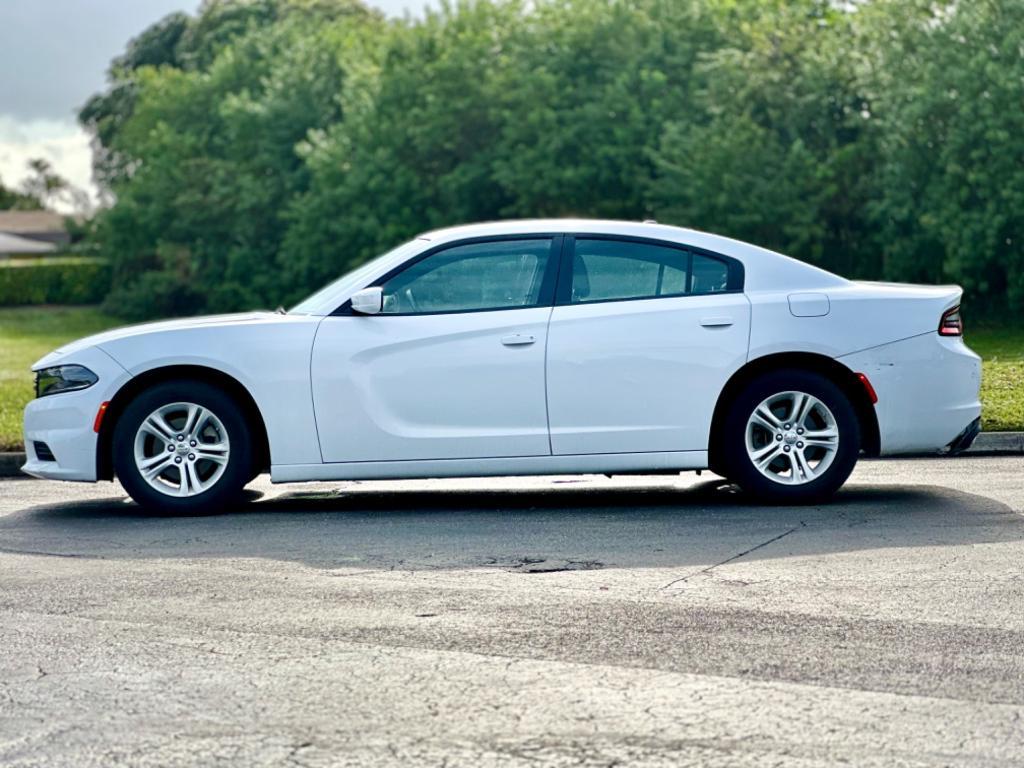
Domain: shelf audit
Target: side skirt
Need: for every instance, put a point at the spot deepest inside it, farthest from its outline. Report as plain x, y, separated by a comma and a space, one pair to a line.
598, 463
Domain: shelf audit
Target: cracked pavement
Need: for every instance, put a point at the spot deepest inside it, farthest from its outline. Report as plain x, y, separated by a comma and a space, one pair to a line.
634, 621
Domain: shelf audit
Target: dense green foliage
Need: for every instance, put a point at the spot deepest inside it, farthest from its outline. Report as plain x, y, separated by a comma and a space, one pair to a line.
265, 146
54, 280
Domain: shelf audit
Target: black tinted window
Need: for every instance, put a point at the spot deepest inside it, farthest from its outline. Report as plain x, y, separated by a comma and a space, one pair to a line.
618, 269
709, 275
493, 275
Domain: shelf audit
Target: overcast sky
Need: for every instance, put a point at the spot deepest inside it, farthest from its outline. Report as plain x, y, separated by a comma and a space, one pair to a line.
54, 55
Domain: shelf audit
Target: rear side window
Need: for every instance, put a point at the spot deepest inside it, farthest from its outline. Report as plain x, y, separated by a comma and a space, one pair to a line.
609, 270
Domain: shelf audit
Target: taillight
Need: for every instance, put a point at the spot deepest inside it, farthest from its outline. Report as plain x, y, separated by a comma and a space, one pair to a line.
951, 323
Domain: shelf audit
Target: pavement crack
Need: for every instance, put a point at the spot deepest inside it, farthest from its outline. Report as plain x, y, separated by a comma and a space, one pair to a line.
744, 553
11, 551
293, 753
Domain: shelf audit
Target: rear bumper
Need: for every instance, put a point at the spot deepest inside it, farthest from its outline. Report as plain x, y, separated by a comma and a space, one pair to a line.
927, 389
965, 439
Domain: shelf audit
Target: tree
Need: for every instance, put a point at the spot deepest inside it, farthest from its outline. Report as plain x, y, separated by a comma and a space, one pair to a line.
950, 197
262, 147
43, 184
489, 110
11, 199
206, 158
49, 189
778, 149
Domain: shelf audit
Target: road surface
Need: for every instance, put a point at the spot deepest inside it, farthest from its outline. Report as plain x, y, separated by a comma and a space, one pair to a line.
569, 621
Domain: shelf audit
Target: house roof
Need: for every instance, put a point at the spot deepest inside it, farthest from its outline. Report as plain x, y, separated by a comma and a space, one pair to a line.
35, 222
14, 244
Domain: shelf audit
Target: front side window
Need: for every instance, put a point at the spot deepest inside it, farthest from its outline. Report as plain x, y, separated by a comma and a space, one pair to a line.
607, 270
501, 274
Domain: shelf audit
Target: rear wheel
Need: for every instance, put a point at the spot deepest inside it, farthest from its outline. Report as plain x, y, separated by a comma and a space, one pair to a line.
183, 447
791, 437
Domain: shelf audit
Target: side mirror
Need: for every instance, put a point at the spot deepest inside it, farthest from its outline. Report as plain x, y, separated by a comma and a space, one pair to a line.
368, 301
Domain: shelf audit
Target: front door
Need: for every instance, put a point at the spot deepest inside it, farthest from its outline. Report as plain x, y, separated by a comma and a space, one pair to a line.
453, 367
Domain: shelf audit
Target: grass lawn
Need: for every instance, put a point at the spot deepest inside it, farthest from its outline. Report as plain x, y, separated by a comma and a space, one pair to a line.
28, 333
1002, 376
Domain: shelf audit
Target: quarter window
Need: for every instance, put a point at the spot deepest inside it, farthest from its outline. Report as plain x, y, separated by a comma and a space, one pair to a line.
606, 270
710, 275
501, 274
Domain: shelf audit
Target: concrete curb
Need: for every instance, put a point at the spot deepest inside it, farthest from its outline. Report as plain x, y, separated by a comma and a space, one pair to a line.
10, 464
998, 442
987, 444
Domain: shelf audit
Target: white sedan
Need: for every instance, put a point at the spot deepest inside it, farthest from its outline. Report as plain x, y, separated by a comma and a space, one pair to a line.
521, 348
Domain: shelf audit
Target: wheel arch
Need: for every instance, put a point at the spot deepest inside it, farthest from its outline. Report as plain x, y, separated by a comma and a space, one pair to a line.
212, 376
832, 369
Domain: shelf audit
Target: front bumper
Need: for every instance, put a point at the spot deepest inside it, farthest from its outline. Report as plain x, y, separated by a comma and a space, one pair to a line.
64, 422
927, 389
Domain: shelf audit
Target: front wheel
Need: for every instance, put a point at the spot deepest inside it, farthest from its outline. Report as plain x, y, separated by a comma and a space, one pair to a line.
791, 437
183, 447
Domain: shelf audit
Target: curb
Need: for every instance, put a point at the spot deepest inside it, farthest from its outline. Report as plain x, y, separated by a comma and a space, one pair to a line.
986, 444
997, 442
10, 464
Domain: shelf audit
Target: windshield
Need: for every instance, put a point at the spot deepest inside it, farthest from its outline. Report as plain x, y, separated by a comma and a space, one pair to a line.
350, 282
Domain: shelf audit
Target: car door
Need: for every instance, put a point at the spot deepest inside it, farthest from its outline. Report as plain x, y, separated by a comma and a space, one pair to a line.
452, 367
643, 337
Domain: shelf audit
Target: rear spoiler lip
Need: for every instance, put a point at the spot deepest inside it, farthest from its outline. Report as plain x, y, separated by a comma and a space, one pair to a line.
950, 295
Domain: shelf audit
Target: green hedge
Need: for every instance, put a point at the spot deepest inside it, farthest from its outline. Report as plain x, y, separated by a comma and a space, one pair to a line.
54, 280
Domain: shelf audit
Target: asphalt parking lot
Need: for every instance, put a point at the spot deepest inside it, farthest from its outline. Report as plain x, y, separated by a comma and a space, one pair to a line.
595, 622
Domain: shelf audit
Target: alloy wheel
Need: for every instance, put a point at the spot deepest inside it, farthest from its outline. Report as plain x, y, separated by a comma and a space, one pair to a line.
792, 438
181, 449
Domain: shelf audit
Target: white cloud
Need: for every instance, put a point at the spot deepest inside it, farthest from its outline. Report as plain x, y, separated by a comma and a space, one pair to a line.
61, 142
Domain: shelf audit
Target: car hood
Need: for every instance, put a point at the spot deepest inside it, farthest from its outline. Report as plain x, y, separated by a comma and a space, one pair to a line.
98, 340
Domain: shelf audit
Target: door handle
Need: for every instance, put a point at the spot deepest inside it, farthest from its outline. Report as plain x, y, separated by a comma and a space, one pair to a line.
517, 339
716, 322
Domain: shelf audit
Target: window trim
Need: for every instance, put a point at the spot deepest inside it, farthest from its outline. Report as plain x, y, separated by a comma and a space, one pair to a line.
545, 298
563, 290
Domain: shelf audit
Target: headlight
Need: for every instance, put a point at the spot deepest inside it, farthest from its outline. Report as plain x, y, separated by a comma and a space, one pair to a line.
63, 378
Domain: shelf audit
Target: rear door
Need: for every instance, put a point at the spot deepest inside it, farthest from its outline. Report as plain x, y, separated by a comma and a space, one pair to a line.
643, 337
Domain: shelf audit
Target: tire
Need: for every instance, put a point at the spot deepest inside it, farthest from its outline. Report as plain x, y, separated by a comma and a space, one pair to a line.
801, 463
210, 465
